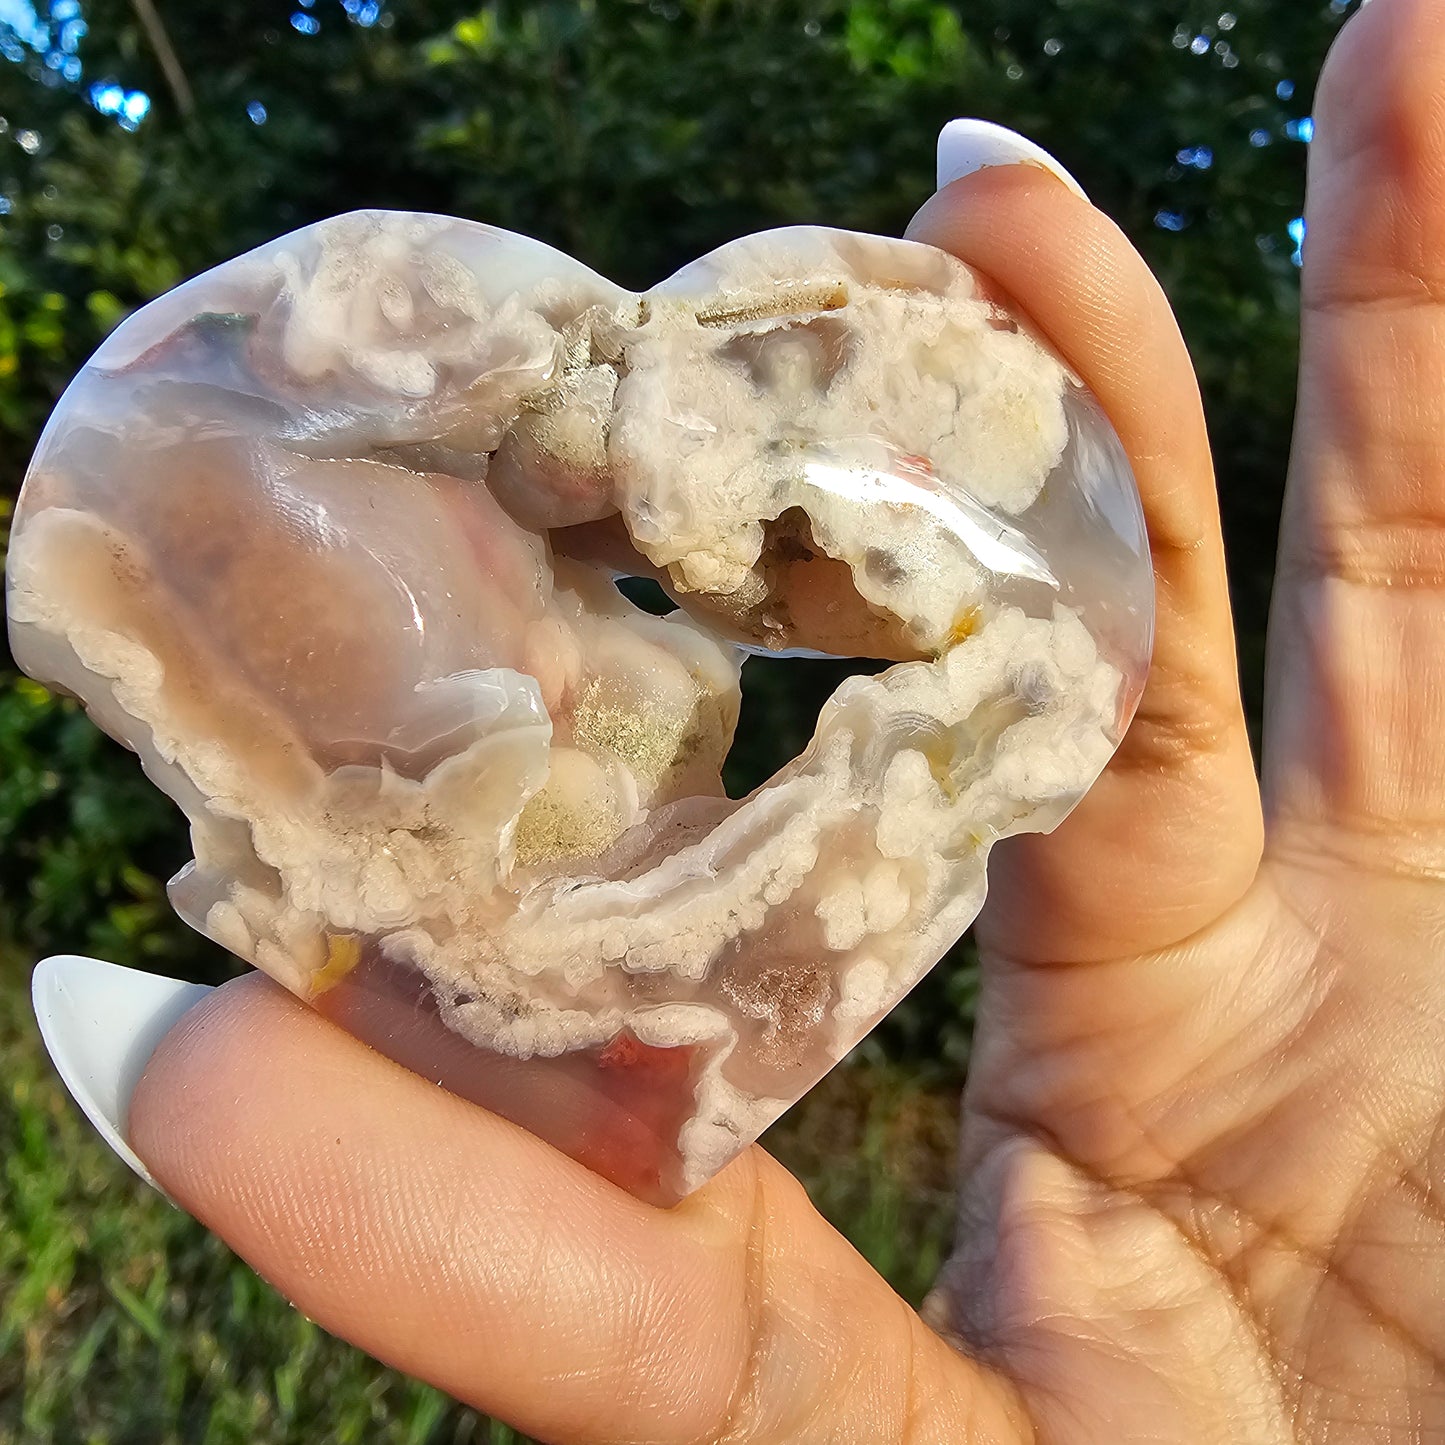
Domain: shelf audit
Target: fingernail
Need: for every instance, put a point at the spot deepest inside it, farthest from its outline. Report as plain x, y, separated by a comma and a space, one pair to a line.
966, 146
101, 1024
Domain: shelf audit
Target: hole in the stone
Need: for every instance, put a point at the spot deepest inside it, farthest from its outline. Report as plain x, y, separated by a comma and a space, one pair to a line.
782, 697
643, 592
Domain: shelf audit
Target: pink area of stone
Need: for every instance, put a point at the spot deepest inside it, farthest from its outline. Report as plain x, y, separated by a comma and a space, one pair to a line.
618, 1107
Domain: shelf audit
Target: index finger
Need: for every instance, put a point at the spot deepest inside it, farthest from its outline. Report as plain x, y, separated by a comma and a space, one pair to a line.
1171, 834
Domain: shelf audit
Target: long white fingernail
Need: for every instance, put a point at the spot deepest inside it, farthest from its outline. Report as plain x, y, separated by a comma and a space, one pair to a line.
966, 146
101, 1024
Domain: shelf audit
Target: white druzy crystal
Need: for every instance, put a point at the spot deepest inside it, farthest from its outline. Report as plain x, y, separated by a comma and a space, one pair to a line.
330, 537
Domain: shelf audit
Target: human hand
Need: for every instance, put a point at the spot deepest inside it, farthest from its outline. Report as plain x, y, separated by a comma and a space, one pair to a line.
1204, 1141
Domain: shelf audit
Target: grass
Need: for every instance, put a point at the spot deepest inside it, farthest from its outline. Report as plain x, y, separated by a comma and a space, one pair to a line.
122, 1322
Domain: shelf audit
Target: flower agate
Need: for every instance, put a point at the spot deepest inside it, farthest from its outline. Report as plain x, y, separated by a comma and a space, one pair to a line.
331, 536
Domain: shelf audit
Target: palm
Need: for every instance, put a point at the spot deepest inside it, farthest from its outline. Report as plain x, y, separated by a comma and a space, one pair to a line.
1204, 1178
1219, 1223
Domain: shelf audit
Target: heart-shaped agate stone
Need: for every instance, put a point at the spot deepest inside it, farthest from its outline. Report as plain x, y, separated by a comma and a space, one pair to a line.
330, 536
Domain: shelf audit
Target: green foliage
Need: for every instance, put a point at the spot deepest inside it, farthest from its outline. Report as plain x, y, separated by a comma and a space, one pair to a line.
83, 839
647, 134
635, 134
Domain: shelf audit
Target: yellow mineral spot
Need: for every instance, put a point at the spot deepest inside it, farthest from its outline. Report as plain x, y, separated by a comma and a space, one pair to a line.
343, 953
550, 828
648, 742
941, 764
965, 624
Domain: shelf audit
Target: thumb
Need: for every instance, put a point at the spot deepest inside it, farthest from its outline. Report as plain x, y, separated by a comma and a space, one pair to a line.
457, 1247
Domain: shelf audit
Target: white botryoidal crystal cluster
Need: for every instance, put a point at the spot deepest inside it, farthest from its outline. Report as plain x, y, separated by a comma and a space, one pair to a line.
330, 537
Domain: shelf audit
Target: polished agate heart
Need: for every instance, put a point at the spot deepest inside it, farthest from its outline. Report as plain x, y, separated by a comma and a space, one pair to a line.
331, 537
